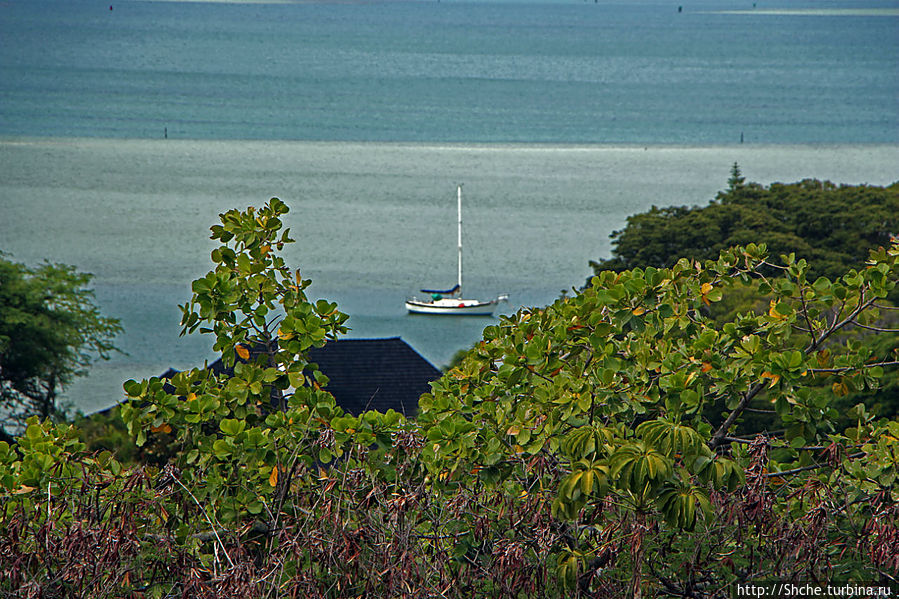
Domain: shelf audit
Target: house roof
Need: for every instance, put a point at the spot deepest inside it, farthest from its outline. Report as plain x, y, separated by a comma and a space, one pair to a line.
374, 374
370, 374
364, 374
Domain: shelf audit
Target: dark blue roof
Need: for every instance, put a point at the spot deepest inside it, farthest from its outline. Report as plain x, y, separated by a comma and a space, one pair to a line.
368, 374
375, 374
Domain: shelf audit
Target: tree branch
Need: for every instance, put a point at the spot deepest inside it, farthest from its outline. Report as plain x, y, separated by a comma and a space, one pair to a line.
805, 468
718, 438
839, 324
876, 329
848, 368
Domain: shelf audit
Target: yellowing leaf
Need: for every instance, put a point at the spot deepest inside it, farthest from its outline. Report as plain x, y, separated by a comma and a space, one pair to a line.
457, 374
706, 366
638, 311
243, 352
775, 378
162, 428
285, 335
513, 430
273, 477
22, 490
191, 396
706, 287
772, 310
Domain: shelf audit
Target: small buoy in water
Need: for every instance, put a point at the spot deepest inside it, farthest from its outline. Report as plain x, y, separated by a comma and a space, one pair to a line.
680, 9
110, 7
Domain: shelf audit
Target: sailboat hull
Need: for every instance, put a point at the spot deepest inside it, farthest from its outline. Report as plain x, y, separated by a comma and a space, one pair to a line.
453, 307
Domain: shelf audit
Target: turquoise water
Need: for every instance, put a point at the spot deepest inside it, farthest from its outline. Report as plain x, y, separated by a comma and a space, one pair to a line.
632, 71
560, 118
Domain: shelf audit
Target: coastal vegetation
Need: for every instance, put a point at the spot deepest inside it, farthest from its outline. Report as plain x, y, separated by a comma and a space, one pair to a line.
50, 331
833, 227
606, 445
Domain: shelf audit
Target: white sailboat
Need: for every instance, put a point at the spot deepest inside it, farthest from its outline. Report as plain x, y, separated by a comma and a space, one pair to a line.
451, 301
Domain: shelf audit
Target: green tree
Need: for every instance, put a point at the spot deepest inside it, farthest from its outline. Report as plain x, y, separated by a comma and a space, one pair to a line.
269, 474
833, 227
50, 332
736, 181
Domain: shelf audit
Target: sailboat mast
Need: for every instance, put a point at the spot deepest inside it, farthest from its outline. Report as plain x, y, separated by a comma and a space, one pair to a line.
459, 197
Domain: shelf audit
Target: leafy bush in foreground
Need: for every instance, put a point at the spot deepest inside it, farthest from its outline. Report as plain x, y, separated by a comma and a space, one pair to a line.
592, 448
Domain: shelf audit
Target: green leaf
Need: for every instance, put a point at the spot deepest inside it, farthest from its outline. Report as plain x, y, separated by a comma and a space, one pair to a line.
221, 448
232, 427
132, 388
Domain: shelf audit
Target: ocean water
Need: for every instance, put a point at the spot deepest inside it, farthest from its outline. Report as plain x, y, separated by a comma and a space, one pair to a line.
124, 132
626, 71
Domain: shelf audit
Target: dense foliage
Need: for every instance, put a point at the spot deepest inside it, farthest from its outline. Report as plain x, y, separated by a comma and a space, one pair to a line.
639, 398
596, 447
833, 227
50, 330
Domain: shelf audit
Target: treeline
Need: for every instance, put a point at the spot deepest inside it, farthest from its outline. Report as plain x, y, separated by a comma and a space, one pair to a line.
832, 227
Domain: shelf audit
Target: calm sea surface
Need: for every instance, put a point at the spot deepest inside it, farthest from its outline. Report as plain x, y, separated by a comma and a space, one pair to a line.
631, 71
560, 118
